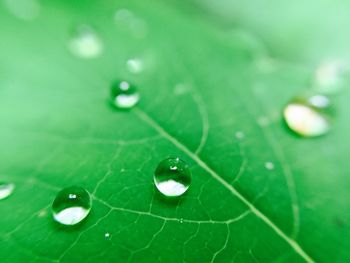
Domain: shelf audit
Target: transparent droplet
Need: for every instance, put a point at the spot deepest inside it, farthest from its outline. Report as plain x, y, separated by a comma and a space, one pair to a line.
107, 235
134, 65
6, 189
124, 95
85, 43
71, 205
308, 116
172, 177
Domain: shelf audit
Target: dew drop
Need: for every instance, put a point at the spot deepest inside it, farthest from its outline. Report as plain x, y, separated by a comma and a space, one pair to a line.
85, 43
71, 205
172, 177
6, 189
107, 235
308, 116
124, 95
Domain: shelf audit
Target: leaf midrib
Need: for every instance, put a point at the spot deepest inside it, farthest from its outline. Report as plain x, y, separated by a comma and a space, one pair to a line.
146, 118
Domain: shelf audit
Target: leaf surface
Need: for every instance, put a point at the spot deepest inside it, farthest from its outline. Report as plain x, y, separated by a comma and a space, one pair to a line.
213, 100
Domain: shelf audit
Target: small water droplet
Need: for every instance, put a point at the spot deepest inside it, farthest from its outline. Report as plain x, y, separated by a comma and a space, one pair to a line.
181, 220
240, 135
71, 205
172, 182
85, 43
124, 95
308, 116
269, 166
134, 65
6, 189
107, 235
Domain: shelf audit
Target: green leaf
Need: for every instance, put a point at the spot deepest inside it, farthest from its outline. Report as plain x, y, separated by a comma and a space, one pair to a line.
206, 98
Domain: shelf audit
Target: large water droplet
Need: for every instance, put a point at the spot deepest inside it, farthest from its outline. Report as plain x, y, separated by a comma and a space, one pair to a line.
6, 189
124, 95
85, 43
71, 205
172, 177
308, 116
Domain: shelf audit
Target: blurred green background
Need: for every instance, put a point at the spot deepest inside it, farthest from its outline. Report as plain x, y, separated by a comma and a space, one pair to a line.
214, 77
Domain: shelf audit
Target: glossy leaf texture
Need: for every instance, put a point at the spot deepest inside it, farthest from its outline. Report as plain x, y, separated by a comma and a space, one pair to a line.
258, 192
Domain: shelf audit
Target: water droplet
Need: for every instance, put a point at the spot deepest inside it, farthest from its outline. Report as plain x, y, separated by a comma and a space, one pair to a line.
124, 95
85, 43
172, 177
308, 116
181, 220
107, 235
269, 166
240, 135
71, 205
6, 190
134, 65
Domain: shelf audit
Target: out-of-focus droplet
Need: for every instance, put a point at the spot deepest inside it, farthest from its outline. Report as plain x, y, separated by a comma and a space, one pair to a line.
181, 89
23, 9
126, 19
85, 43
308, 116
240, 135
134, 65
172, 177
124, 95
269, 165
71, 205
6, 189
329, 76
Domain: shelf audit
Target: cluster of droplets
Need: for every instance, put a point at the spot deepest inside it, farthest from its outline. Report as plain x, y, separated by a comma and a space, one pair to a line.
307, 116
72, 205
